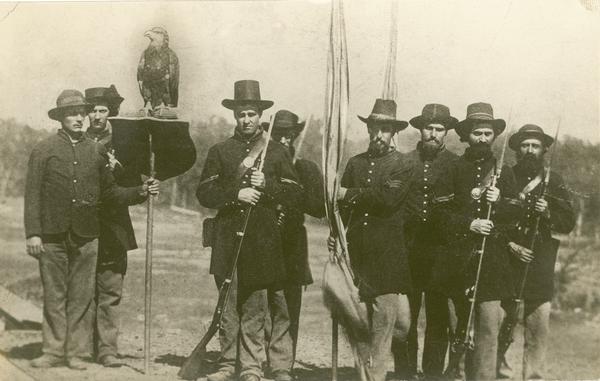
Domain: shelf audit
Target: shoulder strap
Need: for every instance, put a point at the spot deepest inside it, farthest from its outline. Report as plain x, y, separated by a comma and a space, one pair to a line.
531, 185
250, 160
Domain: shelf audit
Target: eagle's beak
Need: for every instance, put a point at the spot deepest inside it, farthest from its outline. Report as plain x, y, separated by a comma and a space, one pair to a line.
148, 34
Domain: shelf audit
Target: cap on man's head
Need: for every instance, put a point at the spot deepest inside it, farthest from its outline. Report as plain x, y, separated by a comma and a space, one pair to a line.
246, 92
67, 100
478, 113
529, 131
434, 113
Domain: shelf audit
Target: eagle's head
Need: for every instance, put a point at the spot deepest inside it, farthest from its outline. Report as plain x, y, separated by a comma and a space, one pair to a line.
158, 37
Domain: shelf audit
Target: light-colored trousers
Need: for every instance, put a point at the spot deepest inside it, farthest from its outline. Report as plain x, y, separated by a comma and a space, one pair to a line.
536, 326
241, 334
280, 338
68, 272
389, 316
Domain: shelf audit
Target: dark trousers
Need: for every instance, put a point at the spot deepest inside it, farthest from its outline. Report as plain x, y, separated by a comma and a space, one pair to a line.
436, 337
109, 290
67, 269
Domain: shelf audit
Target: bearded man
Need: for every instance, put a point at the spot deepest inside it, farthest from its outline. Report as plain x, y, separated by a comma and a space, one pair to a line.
430, 162
463, 197
548, 205
373, 189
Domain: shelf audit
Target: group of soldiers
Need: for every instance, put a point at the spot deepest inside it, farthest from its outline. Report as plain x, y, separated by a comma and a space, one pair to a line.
415, 226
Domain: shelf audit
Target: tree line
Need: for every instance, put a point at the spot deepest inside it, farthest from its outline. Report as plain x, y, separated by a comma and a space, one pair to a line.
576, 160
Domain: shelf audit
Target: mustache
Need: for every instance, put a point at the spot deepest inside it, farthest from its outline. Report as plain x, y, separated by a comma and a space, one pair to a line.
432, 139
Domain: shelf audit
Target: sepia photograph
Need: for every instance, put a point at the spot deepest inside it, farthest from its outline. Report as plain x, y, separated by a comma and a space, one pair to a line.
300, 190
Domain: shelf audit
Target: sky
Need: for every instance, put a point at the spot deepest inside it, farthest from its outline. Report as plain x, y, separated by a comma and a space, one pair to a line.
538, 58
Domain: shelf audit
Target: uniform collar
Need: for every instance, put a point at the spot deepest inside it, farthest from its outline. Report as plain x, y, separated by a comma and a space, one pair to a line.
64, 135
242, 138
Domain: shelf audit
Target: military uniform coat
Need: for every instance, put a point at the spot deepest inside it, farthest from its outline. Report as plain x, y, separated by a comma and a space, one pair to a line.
66, 184
311, 202
261, 261
455, 270
539, 285
372, 208
423, 239
116, 230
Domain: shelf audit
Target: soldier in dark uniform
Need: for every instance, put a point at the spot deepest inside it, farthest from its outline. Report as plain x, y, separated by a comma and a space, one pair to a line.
230, 183
430, 161
374, 187
116, 231
462, 198
286, 129
551, 204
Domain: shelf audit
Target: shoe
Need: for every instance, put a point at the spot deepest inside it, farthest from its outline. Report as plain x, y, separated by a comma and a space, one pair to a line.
76, 363
249, 377
110, 361
46, 361
221, 375
282, 375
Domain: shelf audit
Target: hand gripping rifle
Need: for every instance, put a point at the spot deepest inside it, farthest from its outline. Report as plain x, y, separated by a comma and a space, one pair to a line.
465, 339
191, 368
507, 331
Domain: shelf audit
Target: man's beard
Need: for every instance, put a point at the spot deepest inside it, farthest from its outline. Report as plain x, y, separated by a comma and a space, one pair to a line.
479, 151
378, 147
98, 127
530, 164
431, 147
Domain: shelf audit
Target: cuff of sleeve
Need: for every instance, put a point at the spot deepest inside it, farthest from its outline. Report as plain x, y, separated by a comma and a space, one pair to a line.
231, 197
30, 234
352, 195
140, 195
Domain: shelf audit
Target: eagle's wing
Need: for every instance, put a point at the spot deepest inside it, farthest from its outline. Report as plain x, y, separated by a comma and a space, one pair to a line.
173, 78
140, 73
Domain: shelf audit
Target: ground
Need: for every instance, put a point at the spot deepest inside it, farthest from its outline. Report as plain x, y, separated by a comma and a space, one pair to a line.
184, 297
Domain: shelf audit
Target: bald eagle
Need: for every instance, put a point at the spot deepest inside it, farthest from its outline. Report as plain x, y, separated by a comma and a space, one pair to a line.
158, 72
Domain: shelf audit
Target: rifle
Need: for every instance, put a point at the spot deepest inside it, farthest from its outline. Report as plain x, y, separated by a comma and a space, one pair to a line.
507, 331
191, 368
465, 338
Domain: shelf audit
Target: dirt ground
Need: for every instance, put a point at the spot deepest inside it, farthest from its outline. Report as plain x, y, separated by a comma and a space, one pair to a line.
184, 297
